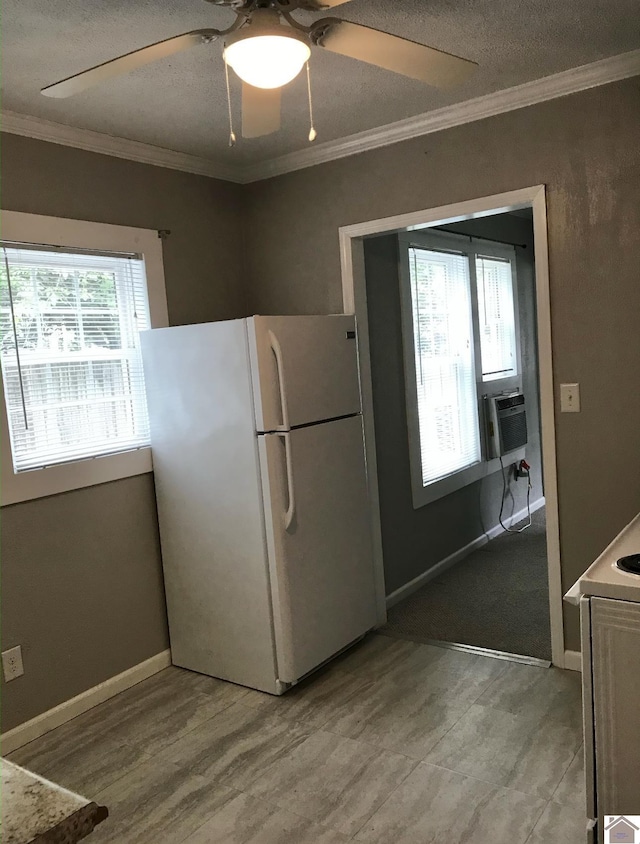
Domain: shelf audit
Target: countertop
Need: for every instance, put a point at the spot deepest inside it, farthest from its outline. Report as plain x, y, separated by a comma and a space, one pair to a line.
604, 579
36, 810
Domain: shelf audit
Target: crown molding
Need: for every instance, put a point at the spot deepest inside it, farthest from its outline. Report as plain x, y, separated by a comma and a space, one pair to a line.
567, 82
572, 81
71, 136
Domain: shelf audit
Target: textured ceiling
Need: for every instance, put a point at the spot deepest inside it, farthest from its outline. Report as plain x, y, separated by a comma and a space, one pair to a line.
179, 103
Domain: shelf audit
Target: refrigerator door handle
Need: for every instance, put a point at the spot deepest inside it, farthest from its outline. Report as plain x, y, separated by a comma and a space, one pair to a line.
291, 493
277, 351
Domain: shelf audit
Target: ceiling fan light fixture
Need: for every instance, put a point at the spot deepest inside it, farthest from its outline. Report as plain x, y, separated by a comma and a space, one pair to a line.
267, 56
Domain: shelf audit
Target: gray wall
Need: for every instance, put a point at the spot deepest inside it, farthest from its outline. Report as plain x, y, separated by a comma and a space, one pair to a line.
81, 591
415, 540
585, 149
81, 572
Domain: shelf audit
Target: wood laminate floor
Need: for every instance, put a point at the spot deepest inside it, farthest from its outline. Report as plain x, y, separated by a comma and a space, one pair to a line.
395, 743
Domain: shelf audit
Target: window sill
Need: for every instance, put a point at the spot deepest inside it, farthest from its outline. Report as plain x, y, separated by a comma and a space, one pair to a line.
423, 495
66, 477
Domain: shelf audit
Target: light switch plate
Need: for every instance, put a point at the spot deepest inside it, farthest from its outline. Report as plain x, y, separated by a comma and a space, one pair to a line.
570, 398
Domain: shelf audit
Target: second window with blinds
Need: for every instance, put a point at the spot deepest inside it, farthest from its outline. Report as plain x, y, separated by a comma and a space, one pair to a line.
461, 342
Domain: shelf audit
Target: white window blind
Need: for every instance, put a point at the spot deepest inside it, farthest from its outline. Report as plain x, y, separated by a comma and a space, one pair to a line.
70, 353
497, 318
444, 363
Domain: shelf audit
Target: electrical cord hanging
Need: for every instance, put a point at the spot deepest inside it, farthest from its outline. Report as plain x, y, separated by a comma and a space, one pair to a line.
504, 494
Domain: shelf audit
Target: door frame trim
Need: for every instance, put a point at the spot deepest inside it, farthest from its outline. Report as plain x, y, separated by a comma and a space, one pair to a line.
354, 297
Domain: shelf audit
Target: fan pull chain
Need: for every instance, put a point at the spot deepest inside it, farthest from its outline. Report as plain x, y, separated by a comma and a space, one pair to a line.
312, 132
232, 134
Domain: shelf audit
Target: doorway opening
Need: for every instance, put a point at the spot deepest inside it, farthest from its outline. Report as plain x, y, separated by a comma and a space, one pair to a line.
454, 337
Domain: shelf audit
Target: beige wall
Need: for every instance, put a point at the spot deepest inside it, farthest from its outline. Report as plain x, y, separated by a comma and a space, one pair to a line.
585, 149
81, 572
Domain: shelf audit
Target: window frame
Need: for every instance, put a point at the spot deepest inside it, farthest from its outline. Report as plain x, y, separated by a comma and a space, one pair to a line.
470, 246
101, 237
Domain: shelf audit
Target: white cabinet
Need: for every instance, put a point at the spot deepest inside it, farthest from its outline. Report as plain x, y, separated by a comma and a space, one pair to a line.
611, 697
610, 614
615, 659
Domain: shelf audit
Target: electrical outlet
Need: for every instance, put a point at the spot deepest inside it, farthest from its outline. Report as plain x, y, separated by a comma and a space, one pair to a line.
12, 663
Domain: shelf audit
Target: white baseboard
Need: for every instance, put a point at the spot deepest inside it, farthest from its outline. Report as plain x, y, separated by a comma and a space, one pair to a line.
573, 660
460, 554
434, 571
52, 718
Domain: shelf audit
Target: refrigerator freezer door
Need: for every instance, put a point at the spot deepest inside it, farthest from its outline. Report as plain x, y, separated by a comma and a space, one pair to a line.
319, 540
305, 369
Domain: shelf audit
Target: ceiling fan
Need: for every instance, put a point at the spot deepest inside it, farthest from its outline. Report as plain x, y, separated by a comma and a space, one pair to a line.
267, 48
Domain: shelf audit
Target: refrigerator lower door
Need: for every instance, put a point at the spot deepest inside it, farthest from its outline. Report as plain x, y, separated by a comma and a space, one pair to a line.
304, 369
319, 542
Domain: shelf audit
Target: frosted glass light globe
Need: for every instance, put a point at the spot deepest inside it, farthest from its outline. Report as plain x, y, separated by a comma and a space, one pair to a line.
267, 61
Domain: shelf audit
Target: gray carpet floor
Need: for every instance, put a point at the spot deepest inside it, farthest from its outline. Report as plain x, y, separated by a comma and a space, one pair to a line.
497, 598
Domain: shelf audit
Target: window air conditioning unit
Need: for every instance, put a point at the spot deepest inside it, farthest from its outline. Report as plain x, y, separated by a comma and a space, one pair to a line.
506, 423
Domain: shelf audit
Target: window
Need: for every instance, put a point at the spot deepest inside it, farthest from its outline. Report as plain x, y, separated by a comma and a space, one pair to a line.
70, 315
445, 372
460, 332
496, 316
70, 354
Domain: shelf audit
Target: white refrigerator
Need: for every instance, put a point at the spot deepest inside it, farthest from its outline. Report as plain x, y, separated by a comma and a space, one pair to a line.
260, 474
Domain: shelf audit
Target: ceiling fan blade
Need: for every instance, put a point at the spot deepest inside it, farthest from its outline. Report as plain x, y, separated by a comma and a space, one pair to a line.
130, 61
391, 52
260, 111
